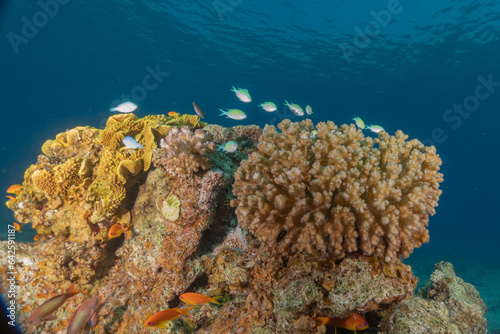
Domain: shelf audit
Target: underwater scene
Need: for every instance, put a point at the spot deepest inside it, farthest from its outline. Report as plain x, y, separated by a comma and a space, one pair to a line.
235, 166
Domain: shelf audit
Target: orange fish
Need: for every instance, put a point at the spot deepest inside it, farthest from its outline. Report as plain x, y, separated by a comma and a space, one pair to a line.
198, 110
17, 227
11, 198
37, 237
172, 113
354, 322
14, 189
191, 298
85, 313
161, 319
44, 311
115, 231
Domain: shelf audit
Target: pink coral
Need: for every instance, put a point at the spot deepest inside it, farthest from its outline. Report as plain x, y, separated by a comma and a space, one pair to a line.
183, 152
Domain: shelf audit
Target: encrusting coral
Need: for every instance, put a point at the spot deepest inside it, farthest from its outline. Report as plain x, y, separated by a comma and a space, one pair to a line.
338, 191
184, 152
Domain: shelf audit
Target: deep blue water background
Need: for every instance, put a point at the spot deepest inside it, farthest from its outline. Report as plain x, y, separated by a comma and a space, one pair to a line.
428, 57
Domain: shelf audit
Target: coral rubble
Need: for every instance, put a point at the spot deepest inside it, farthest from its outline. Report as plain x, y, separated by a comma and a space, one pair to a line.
338, 191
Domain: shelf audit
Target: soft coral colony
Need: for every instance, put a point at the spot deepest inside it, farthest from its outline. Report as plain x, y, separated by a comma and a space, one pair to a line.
326, 213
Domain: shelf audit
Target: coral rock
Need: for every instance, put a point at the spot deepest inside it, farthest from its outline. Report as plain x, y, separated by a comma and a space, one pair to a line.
417, 316
466, 308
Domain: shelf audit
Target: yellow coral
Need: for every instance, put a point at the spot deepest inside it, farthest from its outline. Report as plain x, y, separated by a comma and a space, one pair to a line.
129, 167
73, 143
338, 191
169, 207
180, 120
43, 181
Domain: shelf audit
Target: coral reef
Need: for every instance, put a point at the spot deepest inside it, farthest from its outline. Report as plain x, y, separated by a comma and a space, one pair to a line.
182, 235
184, 152
338, 191
416, 316
465, 306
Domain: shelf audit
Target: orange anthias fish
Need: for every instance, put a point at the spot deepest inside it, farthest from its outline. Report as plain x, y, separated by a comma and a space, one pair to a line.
354, 322
83, 314
39, 237
14, 189
11, 198
192, 298
17, 227
172, 113
198, 110
44, 311
161, 319
115, 231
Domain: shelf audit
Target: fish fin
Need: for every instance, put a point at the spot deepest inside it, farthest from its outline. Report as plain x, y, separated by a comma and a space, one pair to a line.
286, 103
223, 112
215, 301
185, 312
93, 320
72, 290
49, 318
112, 109
233, 89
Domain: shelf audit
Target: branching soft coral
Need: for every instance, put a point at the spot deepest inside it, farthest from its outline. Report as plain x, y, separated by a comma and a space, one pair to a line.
183, 152
338, 191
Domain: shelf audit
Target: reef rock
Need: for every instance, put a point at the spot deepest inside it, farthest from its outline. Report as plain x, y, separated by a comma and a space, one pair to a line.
182, 235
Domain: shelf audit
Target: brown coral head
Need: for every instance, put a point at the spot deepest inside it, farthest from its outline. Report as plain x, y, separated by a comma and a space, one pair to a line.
338, 191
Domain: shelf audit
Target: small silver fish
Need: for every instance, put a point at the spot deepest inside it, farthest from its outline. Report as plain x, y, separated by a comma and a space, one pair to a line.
295, 108
131, 143
125, 107
234, 114
268, 106
242, 94
228, 147
375, 128
309, 110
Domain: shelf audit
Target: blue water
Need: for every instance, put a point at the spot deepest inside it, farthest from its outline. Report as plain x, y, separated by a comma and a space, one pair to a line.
413, 61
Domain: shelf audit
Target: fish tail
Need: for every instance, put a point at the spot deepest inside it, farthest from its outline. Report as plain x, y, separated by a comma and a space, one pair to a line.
220, 147
234, 89
72, 290
185, 311
223, 112
286, 103
215, 301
